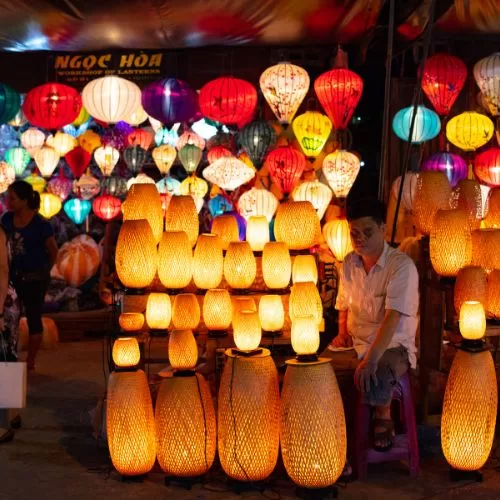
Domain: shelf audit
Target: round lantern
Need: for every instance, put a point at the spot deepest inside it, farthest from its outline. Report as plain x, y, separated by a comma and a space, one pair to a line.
226, 227
483, 240
182, 216
208, 262
217, 309
285, 165
471, 284
175, 260
256, 139
194, 186
218, 152
256, 202
158, 311
240, 267
271, 313
131, 321
136, 255
426, 126
134, 157
469, 130
487, 167
296, 224
32, 140
492, 217
487, 76
452, 165
170, 101
78, 160
50, 205
52, 105
137, 117
18, 158
312, 130
111, 98
46, 160
339, 91
257, 233
305, 301
338, 238
219, 205
284, 87
164, 157
192, 138
140, 137
38, 183
341, 169
10, 101
442, 80
61, 142
115, 186
276, 265
106, 158
315, 192
190, 157
228, 100
450, 242
186, 312
228, 173
304, 269
106, 207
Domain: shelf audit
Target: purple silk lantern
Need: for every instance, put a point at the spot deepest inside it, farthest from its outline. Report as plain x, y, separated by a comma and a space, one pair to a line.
170, 101
452, 165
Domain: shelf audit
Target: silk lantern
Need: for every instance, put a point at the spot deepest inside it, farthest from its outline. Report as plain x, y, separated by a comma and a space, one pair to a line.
257, 138
471, 284
182, 216
141, 178
185, 312
257, 202
219, 205
194, 186
192, 138
341, 169
140, 137
487, 167
18, 158
60, 185
50, 205
106, 207
240, 267
175, 260
190, 157
46, 160
271, 313
276, 265
61, 142
257, 233
228, 173
217, 310
470, 130
114, 186
131, 321
169, 185
487, 76
312, 130
284, 87
409, 190
32, 140
426, 125
226, 227
338, 238
106, 158
296, 224
208, 262
218, 152
89, 141
137, 117
134, 157
452, 165
164, 157
315, 192
78, 160
285, 165
158, 311
38, 183
10, 101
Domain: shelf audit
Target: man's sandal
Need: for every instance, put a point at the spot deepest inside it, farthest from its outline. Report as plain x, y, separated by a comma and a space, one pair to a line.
386, 435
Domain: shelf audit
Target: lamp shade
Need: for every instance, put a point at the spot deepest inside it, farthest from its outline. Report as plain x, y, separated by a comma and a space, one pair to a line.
304, 269
427, 124
182, 350
469, 130
305, 335
217, 309
312, 130
256, 202
158, 311
305, 301
471, 285
175, 260
182, 216
186, 312
296, 224
472, 320
46, 159
247, 331
50, 205
285, 165
487, 167
276, 265
271, 313
226, 227
257, 138
208, 262
164, 157
126, 352
315, 192
136, 256
486, 73
229, 173
452, 165
338, 238
10, 102
131, 321
240, 267
257, 233
341, 169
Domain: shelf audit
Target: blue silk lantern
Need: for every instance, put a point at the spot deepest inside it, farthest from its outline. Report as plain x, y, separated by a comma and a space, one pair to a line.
219, 205
452, 165
77, 210
166, 136
169, 185
257, 138
76, 131
10, 102
427, 124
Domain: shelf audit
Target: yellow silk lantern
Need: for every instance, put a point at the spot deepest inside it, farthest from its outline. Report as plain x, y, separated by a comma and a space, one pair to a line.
164, 157
217, 309
61, 142
106, 158
131, 321
338, 238
305, 301
247, 332
341, 169
271, 313
126, 352
240, 267
50, 205
469, 130
315, 192
257, 232
175, 260
136, 117
305, 335
472, 320
194, 186
304, 269
471, 285
89, 141
312, 130
158, 311
208, 262
296, 224
46, 159
182, 350
186, 312
182, 216
276, 265
226, 227
37, 183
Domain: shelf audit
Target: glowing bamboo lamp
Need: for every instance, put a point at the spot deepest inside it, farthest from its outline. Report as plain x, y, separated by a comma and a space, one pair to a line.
470, 400
131, 321
136, 256
471, 284
226, 227
469, 198
182, 216
186, 312
182, 350
175, 260
305, 337
483, 240
296, 224
217, 310
130, 421
450, 242
492, 218
242, 303
305, 301
257, 232
271, 314
276, 265
158, 311
304, 269
240, 267
338, 238
247, 331
493, 294
208, 262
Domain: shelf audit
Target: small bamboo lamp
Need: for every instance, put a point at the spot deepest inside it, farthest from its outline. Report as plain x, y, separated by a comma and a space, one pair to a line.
182, 216
296, 224
130, 421
247, 331
304, 269
217, 311
338, 238
131, 321
276, 265
185, 415
257, 232
470, 399
186, 312
208, 262
226, 226
158, 311
305, 337
483, 240
305, 301
240, 267
271, 315
471, 284
241, 303
136, 256
493, 294
175, 260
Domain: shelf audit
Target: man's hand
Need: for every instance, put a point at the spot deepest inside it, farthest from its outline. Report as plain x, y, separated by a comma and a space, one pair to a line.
364, 374
342, 341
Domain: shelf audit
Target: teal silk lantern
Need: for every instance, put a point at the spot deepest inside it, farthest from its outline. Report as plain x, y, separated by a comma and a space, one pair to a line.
427, 124
18, 159
219, 205
10, 102
77, 210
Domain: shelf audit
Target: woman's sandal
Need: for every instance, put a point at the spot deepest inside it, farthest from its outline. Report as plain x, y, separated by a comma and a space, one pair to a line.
386, 435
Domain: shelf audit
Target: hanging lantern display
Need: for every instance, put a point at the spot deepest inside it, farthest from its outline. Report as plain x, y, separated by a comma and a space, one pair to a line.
170, 101
304, 269
284, 87
7, 176
136, 117
427, 124
487, 167
106, 207
46, 160
87, 186
18, 158
37, 183
131, 321
276, 265
89, 141
226, 227
32, 140
442, 80
158, 311
60, 185
338, 238
257, 138
240, 267
182, 216
111, 98
257, 233
78, 160
164, 157
487, 76
256, 202
296, 224
77, 210
140, 137
52, 105
61, 142
219, 205
339, 91
470, 130
175, 260
271, 313
312, 130
208, 262
409, 190
190, 137
228, 100
471, 284
190, 157
134, 157
452, 165
106, 158
186, 312
218, 152
141, 178
228, 173
285, 165
114, 186
217, 309
10, 102
316, 193
305, 300
50, 205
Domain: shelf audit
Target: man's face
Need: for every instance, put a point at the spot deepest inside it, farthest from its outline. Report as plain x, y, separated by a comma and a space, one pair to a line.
367, 236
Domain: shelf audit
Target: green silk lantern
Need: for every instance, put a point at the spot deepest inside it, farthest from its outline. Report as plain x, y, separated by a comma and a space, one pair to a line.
190, 156
10, 102
18, 158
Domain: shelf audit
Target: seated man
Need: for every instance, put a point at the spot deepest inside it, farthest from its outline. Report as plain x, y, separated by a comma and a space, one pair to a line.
378, 306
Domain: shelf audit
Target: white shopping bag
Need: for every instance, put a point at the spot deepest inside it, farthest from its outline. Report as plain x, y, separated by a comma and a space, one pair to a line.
13, 378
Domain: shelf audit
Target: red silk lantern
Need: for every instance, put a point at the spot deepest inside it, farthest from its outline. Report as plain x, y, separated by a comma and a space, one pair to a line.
339, 91
78, 160
487, 167
443, 79
106, 207
228, 100
285, 165
52, 105
218, 152
140, 137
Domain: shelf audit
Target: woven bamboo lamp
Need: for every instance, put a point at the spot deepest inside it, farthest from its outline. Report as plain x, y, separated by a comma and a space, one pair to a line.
226, 227
130, 421
469, 198
184, 414
305, 301
338, 238
493, 294
296, 224
131, 321
276, 265
271, 314
492, 218
240, 267
241, 303
217, 311
175, 260
483, 240
158, 311
208, 262
470, 400
247, 332
257, 232
182, 216
186, 312
432, 194
136, 257
450, 242
305, 337
471, 284
304, 269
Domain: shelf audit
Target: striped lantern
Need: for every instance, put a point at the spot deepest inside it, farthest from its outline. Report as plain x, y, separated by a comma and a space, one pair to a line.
452, 165
256, 202
487, 76
61, 142
182, 216
257, 138
228, 173
338, 238
312, 130
175, 260
426, 124
317, 193
136, 117
106, 207
470, 130
487, 167
190, 157
341, 169
115, 186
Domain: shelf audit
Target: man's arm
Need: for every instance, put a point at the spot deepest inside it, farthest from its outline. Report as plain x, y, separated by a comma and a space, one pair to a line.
343, 339
384, 336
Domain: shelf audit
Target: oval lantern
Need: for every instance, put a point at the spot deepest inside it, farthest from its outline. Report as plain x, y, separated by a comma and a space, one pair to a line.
338, 239
46, 160
285, 165
164, 157
228, 173
190, 137
487, 76
469, 130
134, 157
487, 167
115, 186
32, 140
190, 157
341, 169
52, 105
77, 210
18, 158
140, 137
111, 98
257, 202
452, 165
78, 160
312, 130
339, 91
10, 102
426, 127
106, 207
256, 139
106, 158
50, 205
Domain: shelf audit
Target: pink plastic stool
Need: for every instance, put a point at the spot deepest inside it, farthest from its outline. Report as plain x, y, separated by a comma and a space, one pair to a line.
405, 445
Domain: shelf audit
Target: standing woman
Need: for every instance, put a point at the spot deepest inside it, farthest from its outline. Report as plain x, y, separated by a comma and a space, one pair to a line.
34, 252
